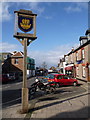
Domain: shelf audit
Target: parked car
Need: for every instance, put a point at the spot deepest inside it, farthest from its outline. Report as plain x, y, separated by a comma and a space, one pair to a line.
62, 79
13, 76
4, 78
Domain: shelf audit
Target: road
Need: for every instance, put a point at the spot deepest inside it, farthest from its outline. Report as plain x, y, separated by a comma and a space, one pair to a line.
11, 93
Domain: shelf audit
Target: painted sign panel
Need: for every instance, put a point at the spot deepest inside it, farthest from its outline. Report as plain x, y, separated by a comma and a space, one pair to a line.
25, 23
79, 62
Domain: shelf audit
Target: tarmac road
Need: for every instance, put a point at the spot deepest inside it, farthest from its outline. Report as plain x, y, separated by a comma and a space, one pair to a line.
60, 93
68, 99
11, 93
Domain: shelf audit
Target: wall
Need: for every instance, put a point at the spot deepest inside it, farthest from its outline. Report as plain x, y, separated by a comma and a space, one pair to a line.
83, 63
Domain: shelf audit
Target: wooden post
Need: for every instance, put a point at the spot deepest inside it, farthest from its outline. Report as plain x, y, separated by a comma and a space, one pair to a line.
25, 15
25, 89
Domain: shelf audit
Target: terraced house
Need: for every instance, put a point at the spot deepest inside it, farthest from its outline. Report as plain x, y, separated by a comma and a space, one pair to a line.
14, 64
82, 59
77, 61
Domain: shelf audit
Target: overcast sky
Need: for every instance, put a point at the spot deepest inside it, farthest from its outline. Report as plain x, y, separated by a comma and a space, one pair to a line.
59, 26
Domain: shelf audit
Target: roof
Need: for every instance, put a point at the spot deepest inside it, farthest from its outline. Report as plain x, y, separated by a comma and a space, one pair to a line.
88, 42
82, 37
6, 53
88, 31
17, 54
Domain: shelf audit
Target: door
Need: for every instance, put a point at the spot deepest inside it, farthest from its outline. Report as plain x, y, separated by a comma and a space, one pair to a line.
60, 79
67, 80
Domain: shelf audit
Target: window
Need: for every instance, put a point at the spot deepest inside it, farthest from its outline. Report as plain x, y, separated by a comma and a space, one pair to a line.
83, 71
51, 76
65, 77
77, 71
59, 77
5, 56
16, 61
83, 53
81, 42
71, 58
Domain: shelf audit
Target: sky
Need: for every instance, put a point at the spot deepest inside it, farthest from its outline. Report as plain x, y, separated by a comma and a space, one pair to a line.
58, 28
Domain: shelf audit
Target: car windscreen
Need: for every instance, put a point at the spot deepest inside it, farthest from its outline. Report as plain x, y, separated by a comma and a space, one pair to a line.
46, 76
51, 76
65, 77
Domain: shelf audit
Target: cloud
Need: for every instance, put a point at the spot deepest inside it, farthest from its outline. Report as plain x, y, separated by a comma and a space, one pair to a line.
51, 57
4, 12
7, 47
48, 17
35, 6
76, 7
82, 5
4, 8
70, 9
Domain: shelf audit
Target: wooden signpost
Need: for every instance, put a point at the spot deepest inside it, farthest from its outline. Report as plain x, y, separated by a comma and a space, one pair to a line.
25, 23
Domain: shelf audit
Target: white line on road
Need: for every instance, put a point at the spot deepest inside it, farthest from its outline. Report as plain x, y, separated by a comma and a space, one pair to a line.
10, 101
5, 87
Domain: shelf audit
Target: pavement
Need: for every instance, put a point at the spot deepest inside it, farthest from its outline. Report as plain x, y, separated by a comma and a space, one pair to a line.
46, 107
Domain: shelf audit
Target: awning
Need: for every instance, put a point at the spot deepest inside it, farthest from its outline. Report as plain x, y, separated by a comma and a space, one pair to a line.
68, 68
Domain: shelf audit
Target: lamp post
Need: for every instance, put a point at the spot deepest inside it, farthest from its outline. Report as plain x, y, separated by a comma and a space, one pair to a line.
25, 21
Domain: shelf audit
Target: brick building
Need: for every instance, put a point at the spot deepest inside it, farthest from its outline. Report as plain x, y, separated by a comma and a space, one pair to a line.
14, 64
78, 60
82, 60
4, 56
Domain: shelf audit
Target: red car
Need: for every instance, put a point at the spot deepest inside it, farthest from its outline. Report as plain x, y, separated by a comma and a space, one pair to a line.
62, 79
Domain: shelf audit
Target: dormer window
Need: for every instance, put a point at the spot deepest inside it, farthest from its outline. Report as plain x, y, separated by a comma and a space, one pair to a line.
83, 40
88, 34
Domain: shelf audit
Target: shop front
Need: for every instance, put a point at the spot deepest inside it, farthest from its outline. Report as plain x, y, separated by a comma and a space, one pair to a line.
69, 71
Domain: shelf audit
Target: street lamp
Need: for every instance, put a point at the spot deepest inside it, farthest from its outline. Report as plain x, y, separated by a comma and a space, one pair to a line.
25, 22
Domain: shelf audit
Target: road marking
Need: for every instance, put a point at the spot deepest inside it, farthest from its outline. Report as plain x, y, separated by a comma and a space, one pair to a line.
18, 83
10, 101
5, 87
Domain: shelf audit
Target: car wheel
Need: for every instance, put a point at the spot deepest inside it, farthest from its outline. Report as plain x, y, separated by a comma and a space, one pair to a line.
52, 89
74, 84
57, 85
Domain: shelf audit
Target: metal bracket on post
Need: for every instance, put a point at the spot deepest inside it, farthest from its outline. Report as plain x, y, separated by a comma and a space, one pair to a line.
22, 41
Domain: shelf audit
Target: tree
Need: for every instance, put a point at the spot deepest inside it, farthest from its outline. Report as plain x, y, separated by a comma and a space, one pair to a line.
52, 68
44, 65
